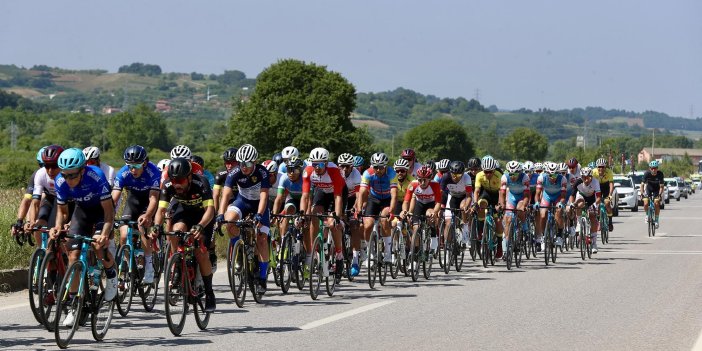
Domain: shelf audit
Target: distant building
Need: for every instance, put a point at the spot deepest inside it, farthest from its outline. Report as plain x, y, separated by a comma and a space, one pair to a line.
163, 106
110, 110
666, 154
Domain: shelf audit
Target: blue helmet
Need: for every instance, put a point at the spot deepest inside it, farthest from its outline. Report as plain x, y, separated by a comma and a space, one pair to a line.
357, 161
72, 158
653, 164
134, 154
278, 158
41, 151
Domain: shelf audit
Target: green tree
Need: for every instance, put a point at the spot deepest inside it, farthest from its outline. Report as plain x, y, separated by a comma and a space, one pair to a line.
301, 104
141, 126
525, 144
440, 138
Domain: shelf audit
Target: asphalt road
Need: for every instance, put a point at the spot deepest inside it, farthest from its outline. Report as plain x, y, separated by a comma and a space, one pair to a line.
637, 293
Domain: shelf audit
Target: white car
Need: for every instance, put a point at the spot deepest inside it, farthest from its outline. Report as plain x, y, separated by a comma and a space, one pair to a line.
674, 189
627, 195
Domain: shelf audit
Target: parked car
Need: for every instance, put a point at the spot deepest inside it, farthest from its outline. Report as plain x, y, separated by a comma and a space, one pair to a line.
688, 187
627, 194
674, 188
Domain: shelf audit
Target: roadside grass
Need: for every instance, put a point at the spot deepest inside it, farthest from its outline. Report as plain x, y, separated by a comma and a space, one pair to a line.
11, 255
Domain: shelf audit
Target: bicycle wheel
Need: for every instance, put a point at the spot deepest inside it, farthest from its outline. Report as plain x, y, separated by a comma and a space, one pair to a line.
101, 318
396, 255
382, 267
273, 251
49, 283
372, 259
330, 261
474, 249
125, 291
284, 263
176, 293
68, 303
253, 279
459, 252
348, 253
554, 247
604, 229
588, 242
582, 241
547, 243
316, 268
149, 292
202, 318
485, 251
652, 224
413, 259
518, 245
238, 273
428, 263
300, 280
33, 281
448, 250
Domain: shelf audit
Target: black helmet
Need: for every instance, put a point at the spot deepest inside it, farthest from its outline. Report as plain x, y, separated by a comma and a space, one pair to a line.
431, 164
230, 154
134, 154
293, 162
457, 167
179, 168
278, 158
199, 160
474, 163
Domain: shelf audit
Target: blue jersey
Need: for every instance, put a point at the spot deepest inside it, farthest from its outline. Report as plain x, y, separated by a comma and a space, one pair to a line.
293, 189
570, 182
379, 186
150, 179
533, 178
210, 178
552, 190
250, 186
92, 189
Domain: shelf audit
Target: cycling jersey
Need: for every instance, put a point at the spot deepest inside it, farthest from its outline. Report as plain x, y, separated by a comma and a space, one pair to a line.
653, 182
458, 188
92, 189
403, 185
570, 184
198, 195
604, 178
415, 168
30, 185
149, 180
491, 185
379, 185
533, 179
551, 190
438, 176
331, 181
353, 182
109, 172
587, 190
43, 184
576, 173
273, 190
516, 189
249, 186
220, 177
210, 177
291, 190
432, 193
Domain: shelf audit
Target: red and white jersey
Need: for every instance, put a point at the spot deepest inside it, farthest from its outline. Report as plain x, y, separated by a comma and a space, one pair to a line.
42, 183
353, 182
432, 193
415, 168
331, 181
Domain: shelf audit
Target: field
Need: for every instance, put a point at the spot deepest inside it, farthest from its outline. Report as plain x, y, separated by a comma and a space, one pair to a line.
11, 255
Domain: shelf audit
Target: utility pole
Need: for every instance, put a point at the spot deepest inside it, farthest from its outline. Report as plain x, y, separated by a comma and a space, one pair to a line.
13, 136
653, 145
477, 94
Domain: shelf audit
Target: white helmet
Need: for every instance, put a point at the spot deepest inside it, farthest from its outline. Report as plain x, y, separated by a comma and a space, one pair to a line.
290, 151
379, 159
601, 162
489, 164
401, 163
444, 164
163, 164
345, 159
319, 154
91, 152
586, 172
271, 166
551, 168
247, 153
514, 167
181, 151
528, 166
538, 166
563, 167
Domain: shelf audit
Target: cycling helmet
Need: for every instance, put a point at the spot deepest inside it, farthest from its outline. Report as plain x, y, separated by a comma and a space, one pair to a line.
573, 162
247, 153
457, 167
379, 159
229, 154
278, 158
431, 164
72, 158
489, 164
601, 162
474, 163
538, 166
293, 162
358, 161
163, 164
179, 167
199, 160
497, 164
345, 159
290, 151
181, 151
562, 167
39, 153
424, 172
51, 154
487, 157
653, 164
319, 154
271, 166
592, 165
514, 167
134, 154
586, 172
528, 166
91, 153
444, 165
408, 154
551, 168
401, 163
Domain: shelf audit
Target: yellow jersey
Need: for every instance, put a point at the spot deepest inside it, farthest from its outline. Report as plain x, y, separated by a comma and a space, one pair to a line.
606, 176
491, 185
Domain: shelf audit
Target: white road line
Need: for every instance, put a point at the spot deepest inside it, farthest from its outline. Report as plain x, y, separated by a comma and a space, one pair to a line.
9, 307
346, 314
698, 343
644, 252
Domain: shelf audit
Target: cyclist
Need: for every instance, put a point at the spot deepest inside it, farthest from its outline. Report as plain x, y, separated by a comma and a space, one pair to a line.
272, 168
423, 198
574, 167
486, 192
652, 185
183, 152
163, 164
142, 180
328, 196
443, 168
378, 193
230, 163
411, 157
286, 154
194, 214
551, 189
253, 182
431, 165
605, 176
88, 188
201, 161
358, 163
404, 179
587, 195
456, 189
26, 210
474, 167
570, 188
538, 169
92, 157
43, 205
516, 182
289, 191
353, 185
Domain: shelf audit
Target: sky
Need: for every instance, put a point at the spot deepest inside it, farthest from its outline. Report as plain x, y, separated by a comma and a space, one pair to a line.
633, 55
